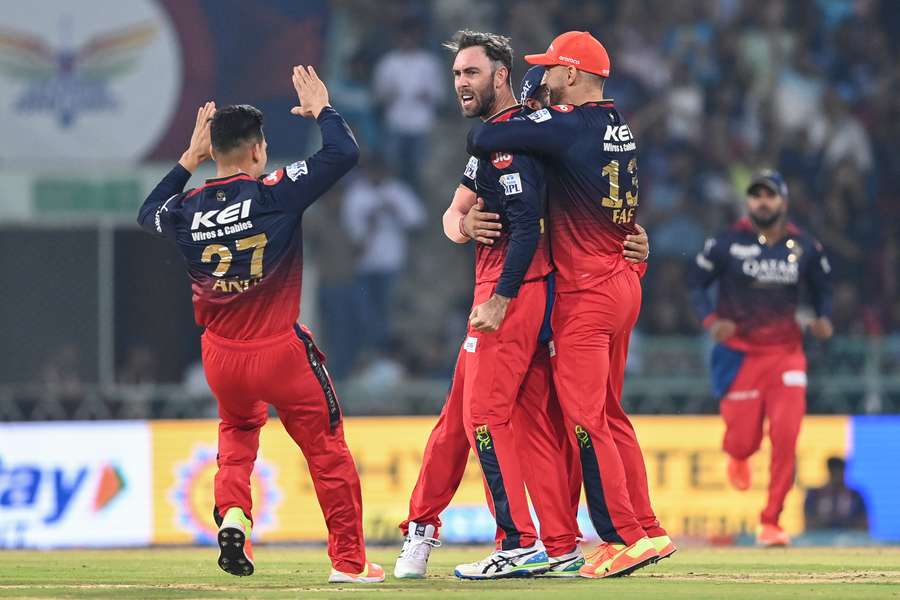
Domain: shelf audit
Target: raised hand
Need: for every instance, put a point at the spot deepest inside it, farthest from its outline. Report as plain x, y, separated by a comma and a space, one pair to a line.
199, 147
311, 92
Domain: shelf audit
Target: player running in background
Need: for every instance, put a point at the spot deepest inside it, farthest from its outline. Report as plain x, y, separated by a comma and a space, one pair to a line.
758, 366
240, 236
591, 161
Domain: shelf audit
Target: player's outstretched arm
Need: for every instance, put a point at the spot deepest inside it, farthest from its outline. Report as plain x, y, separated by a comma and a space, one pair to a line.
151, 215
308, 179
547, 132
703, 272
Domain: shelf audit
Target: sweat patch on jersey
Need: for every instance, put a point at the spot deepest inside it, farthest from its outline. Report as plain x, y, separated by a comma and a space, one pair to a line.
512, 183
540, 116
295, 170
471, 168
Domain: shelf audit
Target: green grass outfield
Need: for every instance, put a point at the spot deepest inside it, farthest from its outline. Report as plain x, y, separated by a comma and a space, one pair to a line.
301, 573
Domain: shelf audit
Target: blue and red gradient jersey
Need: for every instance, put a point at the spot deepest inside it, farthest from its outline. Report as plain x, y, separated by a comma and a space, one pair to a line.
759, 285
592, 183
513, 186
241, 237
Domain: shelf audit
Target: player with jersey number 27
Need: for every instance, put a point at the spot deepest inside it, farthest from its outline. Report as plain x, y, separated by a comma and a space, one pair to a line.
241, 239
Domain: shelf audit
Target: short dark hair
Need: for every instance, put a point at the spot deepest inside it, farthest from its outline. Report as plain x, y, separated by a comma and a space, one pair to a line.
496, 46
234, 125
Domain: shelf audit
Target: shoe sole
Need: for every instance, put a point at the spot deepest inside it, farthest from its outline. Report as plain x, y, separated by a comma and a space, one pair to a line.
362, 580
408, 575
512, 574
664, 555
632, 568
232, 558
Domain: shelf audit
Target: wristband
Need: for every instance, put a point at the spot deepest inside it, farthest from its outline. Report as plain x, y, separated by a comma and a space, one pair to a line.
462, 229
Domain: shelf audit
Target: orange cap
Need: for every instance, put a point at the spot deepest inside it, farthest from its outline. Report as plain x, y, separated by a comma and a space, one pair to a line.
577, 49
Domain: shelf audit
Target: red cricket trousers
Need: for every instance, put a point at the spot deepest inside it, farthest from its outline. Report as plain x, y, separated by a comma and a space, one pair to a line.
591, 331
768, 386
541, 450
286, 371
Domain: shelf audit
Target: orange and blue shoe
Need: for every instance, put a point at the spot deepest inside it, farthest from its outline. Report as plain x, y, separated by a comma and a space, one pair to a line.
771, 536
664, 545
618, 560
235, 549
372, 574
739, 473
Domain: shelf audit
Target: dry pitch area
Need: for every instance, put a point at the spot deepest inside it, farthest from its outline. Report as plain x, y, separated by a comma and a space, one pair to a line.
793, 573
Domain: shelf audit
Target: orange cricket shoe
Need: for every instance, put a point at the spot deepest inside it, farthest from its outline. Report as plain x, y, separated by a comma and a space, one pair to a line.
617, 560
739, 473
664, 545
772, 535
373, 574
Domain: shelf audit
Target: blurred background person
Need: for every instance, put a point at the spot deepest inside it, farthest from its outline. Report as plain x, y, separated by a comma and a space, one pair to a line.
379, 212
835, 506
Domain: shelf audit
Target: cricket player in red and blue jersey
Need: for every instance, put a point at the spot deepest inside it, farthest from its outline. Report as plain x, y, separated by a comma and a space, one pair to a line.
591, 164
758, 366
499, 400
241, 238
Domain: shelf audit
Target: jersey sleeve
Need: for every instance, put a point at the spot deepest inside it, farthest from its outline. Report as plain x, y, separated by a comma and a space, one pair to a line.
296, 186
818, 279
546, 132
468, 178
524, 207
703, 272
153, 215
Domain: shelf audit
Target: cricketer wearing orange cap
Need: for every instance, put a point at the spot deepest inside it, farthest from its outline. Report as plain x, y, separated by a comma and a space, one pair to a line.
590, 156
577, 49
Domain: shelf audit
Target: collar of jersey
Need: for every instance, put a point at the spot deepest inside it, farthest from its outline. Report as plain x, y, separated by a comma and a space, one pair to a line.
219, 181
229, 178
503, 114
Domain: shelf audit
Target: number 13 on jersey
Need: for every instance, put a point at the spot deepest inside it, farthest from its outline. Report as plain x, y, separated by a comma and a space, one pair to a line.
620, 214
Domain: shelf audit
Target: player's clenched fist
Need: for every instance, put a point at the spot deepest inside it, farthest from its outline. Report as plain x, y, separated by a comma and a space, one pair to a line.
311, 92
489, 315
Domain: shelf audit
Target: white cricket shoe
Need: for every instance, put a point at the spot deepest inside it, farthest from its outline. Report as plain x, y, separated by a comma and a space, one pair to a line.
520, 562
413, 560
566, 565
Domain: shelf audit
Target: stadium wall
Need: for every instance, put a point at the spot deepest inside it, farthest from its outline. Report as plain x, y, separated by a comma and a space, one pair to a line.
135, 483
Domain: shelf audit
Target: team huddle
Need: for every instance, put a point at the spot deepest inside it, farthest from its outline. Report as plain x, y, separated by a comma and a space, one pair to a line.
550, 197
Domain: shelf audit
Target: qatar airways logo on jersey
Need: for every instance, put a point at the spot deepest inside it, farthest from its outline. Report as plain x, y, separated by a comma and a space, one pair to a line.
215, 218
771, 270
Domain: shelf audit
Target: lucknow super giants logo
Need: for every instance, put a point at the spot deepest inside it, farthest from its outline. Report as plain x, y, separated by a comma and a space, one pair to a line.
69, 79
87, 80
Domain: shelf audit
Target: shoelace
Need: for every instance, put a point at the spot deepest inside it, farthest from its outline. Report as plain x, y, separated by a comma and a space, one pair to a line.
415, 547
603, 552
